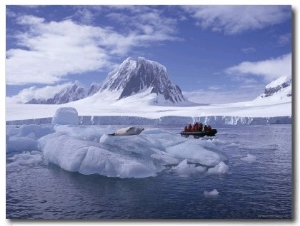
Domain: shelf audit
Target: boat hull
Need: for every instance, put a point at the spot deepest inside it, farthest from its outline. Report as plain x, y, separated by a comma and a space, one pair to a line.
198, 134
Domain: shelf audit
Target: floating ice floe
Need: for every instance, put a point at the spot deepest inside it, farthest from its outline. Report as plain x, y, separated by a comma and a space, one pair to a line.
24, 159
250, 158
21, 144
184, 169
220, 168
211, 193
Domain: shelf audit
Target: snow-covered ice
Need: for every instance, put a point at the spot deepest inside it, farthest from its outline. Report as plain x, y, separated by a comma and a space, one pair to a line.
89, 150
135, 156
65, 116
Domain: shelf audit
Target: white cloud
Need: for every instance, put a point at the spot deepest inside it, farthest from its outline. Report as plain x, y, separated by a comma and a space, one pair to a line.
284, 39
248, 50
237, 19
269, 69
223, 95
148, 23
51, 50
28, 94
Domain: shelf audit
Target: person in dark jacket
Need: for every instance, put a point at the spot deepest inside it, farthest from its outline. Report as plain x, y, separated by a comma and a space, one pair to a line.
200, 126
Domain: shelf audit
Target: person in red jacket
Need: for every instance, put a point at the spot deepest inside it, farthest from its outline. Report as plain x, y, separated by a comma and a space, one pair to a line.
190, 128
208, 128
196, 126
205, 128
185, 129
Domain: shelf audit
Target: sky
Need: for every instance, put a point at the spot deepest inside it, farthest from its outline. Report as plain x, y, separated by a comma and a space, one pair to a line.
214, 53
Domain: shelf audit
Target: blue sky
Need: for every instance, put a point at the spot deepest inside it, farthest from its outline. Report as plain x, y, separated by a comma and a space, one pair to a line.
215, 54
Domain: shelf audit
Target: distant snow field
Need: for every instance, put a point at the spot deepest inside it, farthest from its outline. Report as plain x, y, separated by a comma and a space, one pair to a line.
141, 88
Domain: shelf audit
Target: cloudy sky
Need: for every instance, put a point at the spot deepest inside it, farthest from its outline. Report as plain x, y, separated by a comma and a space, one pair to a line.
215, 54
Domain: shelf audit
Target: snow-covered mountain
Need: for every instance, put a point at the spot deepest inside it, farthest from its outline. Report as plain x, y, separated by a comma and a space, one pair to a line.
74, 91
95, 87
130, 78
279, 89
142, 75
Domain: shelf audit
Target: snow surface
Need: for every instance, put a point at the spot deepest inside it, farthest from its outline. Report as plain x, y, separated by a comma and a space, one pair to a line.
107, 104
278, 82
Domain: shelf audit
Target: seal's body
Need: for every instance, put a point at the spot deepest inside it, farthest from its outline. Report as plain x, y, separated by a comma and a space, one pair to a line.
128, 131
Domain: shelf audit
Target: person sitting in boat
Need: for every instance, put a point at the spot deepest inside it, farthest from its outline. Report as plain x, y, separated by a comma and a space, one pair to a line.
195, 126
208, 128
205, 128
185, 129
200, 126
190, 128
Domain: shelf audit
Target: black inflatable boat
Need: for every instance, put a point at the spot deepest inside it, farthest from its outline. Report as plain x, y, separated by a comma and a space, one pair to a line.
198, 134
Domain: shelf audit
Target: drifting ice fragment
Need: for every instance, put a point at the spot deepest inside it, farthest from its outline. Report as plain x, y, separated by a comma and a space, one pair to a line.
249, 158
211, 193
21, 144
184, 169
221, 168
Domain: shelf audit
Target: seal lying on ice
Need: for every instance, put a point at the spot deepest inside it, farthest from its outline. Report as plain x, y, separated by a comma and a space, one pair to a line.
128, 131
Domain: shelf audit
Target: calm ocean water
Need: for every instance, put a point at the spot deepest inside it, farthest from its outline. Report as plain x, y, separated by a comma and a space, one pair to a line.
258, 190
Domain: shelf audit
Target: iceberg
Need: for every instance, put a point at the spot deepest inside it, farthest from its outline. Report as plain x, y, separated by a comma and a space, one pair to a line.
77, 149
65, 116
90, 150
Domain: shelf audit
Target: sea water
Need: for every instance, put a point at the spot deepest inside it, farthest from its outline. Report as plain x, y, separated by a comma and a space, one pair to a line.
258, 185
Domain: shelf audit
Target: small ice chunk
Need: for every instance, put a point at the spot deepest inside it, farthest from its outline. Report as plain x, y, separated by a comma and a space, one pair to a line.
21, 144
35, 131
249, 158
65, 116
211, 193
184, 169
221, 168
24, 159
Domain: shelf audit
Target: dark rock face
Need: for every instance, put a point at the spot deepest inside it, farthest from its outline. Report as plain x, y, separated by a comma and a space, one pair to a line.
95, 87
276, 87
272, 90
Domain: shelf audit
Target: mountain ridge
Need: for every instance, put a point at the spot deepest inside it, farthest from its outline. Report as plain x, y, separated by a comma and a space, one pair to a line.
132, 77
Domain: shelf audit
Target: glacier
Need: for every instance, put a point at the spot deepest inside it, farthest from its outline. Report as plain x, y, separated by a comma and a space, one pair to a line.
165, 120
